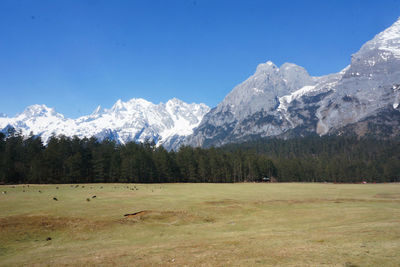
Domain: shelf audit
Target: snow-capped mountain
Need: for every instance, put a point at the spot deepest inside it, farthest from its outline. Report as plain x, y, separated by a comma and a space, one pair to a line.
371, 83
135, 120
363, 99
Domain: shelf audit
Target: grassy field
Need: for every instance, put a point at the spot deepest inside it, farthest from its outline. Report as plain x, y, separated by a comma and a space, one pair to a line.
200, 225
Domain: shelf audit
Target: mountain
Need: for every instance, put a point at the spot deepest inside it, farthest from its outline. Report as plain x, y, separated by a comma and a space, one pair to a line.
251, 108
135, 120
362, 99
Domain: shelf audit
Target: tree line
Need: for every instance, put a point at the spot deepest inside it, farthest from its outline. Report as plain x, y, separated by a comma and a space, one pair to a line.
88, 160
340, 159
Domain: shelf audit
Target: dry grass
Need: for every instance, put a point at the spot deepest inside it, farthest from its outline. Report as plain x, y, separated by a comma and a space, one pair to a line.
201, 225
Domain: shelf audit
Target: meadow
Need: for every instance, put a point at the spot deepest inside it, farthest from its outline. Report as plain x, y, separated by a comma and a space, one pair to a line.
243, 224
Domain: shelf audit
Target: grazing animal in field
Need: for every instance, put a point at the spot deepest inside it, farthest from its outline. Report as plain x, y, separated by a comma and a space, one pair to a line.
48, 239
93, 196
40, 191
54, 198
88, 199
4, 192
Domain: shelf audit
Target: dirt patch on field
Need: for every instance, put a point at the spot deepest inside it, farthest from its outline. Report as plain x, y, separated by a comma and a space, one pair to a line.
164, 217
320, 200
388, 195
290, 201
43, 222
223, 202
137, 214
22, 224
226, 205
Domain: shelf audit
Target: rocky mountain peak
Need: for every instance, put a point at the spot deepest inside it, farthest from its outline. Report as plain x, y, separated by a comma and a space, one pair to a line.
97, 112
174, 101
262, 90
139, 102
379, 56
38, 111
295, 76
119, 105
266, 68
386, 41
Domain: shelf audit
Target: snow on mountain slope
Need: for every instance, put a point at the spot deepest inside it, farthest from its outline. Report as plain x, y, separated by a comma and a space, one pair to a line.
284, 101
135, 120
369, 84
40, 120
386, 41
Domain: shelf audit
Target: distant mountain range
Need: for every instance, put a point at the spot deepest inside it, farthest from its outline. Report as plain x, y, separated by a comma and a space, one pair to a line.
136, 120
363, 99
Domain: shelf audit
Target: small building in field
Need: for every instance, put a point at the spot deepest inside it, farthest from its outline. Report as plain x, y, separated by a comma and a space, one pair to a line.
266, 179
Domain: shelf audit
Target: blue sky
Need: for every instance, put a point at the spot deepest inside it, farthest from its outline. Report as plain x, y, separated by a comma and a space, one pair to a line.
74, 55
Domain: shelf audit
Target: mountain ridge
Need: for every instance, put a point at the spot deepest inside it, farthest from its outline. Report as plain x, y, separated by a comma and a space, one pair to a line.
136, 120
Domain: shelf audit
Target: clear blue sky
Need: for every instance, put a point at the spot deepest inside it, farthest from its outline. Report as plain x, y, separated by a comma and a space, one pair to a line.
74, 55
